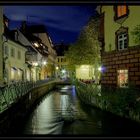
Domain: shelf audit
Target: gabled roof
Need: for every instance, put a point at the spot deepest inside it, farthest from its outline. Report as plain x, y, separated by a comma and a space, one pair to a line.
43, 49
28, 31
10, 34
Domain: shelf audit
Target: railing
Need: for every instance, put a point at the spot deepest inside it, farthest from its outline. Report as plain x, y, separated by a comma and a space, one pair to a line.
88, 92
12, 93
121, 101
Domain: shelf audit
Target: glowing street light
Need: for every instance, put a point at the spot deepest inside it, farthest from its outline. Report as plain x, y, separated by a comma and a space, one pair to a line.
57, 68
100, 68
44, 62
36, 44
35, 64
63, 71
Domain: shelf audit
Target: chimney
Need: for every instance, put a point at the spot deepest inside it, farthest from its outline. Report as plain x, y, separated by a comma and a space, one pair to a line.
16, 35
23, 27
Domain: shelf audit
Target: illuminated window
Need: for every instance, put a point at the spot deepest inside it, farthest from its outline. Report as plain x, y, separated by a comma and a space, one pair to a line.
123, 78
13, 73
121, 10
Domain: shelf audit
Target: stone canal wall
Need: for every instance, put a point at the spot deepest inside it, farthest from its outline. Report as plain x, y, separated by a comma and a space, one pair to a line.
13, 115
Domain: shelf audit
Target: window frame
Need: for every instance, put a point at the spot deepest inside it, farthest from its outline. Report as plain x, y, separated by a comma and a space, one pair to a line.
123, 41
12, 52
122, 16
19, 54
118, 80
6, 50
121, 31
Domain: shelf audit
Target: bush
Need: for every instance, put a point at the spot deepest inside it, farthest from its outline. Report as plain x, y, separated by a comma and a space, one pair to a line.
120, 101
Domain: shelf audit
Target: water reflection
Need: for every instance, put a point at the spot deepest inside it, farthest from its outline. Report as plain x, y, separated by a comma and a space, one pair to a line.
61, 112
48, 117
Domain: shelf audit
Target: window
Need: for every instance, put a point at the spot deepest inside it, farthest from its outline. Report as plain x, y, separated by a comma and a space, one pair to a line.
19, 74
19, 55
6, 50
58, 59
122, 41
12, 52
13, 73
121, 11
123, 78
61, 59
122, 38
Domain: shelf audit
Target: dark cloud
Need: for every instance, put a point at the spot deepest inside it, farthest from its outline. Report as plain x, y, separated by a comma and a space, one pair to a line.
62, 20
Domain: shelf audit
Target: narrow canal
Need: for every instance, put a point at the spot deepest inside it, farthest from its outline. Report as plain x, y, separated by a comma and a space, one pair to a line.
60, 112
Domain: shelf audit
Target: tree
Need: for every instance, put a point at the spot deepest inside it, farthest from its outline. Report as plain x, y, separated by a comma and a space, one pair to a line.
136, 34
87, 48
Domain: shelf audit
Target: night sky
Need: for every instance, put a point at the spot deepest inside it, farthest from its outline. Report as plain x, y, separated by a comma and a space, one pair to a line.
63, 23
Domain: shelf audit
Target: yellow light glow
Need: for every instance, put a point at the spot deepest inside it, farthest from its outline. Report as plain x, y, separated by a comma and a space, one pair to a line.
36, 44
57, 68
100, 68
44, 63
35, 64
84, 66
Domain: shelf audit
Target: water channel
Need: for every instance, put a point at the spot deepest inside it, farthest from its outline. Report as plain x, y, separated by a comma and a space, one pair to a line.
61, 113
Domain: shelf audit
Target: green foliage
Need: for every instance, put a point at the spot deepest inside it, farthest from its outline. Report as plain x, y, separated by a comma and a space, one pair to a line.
136, 34
121, 101
86, 50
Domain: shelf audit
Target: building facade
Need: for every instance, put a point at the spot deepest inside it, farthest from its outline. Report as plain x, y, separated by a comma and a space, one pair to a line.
14, 61
120, 53
61, 67
48, 69
1, 45
32, 58
62, 70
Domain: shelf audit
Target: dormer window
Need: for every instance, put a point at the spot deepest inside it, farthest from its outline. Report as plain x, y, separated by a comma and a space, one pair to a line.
121, 13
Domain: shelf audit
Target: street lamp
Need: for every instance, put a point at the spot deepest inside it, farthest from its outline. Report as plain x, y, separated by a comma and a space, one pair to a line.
100, 68
63, 71
44, 63
35, 64
57, 67
36, 45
